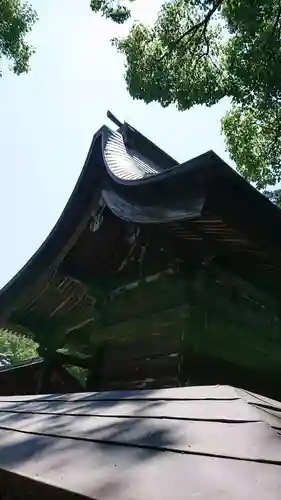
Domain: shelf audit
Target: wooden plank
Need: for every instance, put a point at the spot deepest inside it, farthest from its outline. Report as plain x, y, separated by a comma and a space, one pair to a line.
254, 441
228, 411
143, 368
108, 472
141, 384
176, 393
156, 344
204, 410
256, 399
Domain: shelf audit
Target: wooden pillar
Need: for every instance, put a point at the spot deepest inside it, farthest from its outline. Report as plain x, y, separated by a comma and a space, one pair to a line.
194, 326
49, 356
95, 376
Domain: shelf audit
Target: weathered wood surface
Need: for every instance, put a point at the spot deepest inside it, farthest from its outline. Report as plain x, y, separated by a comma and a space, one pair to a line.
194, 442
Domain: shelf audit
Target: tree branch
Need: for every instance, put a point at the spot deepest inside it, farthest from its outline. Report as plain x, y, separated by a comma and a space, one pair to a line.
207, 41
277, 19
205, 54
275, 140
195, 28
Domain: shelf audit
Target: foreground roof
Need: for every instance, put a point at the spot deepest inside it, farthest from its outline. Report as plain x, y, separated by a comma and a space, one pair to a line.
190, 442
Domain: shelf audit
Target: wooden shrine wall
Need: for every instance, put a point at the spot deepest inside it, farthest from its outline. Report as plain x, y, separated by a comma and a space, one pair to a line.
172, 332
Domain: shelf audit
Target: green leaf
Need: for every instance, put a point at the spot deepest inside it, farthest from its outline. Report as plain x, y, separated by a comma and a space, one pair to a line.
17, 347
16, 21
199, 51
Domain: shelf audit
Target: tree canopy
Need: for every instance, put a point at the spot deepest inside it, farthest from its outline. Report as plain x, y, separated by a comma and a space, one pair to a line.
199, 51
17, 347
16, 21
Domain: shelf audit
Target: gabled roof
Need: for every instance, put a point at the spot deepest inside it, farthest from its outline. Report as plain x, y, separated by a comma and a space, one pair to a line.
141, 184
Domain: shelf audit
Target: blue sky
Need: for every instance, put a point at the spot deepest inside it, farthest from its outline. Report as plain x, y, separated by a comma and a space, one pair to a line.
48, 118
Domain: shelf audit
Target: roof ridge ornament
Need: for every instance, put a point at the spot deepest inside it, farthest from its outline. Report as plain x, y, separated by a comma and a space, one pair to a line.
123, 128
113, 118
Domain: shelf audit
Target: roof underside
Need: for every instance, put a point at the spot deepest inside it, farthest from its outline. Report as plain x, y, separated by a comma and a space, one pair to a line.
202, 201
